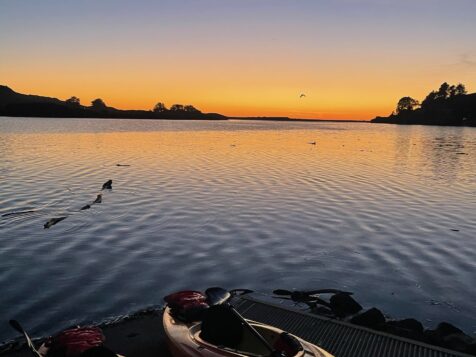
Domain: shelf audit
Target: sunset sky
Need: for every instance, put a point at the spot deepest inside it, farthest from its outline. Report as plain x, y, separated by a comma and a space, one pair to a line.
352, 58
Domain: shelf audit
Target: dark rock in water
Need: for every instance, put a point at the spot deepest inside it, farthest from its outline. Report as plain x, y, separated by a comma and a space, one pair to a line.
458, 342
409, 328
370, 318
53, 221
445, 329
107, 185
449, 336
98, 199
407, 324
85, 207
344, 305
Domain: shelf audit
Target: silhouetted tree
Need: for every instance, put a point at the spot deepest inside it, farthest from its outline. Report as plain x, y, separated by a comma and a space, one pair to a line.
430, 98
407, 103
444, 91
177, 108
73, 101
191, 109
460, 89
452, 91
160, 108
449, 105
98, 104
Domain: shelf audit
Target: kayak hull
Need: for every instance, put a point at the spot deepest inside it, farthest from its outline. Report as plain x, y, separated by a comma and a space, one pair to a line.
183, 340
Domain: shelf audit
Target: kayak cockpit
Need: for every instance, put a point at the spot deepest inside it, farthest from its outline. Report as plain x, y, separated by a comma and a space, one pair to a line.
249, 345
222, 327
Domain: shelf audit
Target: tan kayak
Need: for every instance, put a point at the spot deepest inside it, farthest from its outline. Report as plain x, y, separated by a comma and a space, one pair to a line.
190, 339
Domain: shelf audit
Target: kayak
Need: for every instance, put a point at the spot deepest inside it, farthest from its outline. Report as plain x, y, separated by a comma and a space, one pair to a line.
215, 330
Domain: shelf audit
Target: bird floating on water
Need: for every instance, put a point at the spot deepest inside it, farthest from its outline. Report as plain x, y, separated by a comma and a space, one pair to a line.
107, 185
312, 142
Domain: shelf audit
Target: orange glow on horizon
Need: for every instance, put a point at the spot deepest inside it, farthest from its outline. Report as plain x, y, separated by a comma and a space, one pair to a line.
286, 104
232, 85
360, 92
352, 59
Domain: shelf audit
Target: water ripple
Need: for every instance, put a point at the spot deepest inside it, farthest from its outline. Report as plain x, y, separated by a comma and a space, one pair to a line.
384, 211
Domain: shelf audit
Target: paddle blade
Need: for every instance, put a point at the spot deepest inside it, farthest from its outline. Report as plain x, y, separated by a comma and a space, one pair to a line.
216, 296
310, 292
281, 297
239, 292
16, 325
326, 291
321, 302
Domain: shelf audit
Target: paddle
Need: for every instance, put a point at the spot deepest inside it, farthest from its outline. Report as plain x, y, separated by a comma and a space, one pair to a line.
217, 296
311, 292
16, 325
308, 297
239, 292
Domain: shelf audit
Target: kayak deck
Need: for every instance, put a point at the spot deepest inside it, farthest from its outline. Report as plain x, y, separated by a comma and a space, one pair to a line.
338, 338
142, 334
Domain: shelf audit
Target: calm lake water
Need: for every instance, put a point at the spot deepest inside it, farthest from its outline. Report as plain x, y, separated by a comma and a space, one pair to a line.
388, 212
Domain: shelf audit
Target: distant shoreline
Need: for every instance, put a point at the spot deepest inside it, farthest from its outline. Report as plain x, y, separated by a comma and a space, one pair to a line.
286, 119
270, 119
13, 104
109, 118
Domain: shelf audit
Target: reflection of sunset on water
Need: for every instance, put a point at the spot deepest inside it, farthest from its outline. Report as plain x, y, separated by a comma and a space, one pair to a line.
254, 198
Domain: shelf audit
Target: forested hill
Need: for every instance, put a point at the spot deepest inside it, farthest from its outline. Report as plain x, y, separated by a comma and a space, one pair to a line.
15, 104
450, 105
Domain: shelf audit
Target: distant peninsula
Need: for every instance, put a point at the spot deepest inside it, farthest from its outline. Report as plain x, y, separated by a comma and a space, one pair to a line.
450, 105
13, 104
300, 120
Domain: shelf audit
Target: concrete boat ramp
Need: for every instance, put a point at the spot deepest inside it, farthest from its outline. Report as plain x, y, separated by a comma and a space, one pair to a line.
142, 335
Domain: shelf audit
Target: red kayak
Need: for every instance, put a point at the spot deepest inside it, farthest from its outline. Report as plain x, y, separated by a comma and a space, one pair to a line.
206, 325
74, 342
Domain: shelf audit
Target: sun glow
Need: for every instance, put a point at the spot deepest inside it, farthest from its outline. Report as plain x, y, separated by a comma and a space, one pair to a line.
238, 60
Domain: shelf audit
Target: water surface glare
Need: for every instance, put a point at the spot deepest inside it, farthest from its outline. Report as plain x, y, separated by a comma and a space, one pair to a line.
388, 212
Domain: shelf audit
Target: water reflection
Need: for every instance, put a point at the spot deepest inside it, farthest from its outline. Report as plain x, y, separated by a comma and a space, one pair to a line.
369, 208
445, 150
404, 140
439, 150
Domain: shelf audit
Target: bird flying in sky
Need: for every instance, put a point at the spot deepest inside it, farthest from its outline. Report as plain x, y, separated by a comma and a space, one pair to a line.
302, 95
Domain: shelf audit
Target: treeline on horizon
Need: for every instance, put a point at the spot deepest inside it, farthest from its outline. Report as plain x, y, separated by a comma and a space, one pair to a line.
449, 105
20, 105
